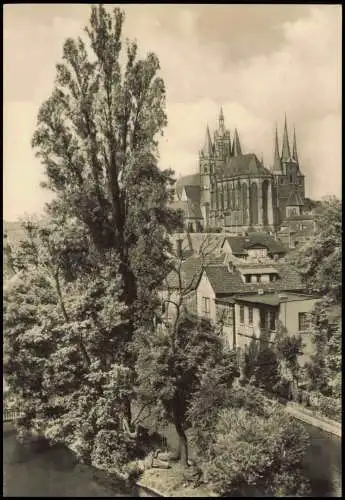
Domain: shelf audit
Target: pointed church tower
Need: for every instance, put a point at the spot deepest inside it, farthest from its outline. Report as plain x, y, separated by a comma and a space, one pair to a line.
207, 150
286, 155
294, 147
277, 166
221, 120
236, 148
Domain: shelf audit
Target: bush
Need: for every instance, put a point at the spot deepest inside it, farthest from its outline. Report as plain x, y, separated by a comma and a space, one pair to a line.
256, 448
330, 407
112, 450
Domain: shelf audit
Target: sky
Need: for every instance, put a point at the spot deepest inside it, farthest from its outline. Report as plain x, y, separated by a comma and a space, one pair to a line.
256, 61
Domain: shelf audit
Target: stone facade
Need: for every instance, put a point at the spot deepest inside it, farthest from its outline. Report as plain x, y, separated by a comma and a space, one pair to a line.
235, 191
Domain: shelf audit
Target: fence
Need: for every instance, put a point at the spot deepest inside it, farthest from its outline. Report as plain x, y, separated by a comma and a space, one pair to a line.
10, 415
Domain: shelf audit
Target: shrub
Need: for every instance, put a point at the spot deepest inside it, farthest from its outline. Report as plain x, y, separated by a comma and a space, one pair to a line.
257, 448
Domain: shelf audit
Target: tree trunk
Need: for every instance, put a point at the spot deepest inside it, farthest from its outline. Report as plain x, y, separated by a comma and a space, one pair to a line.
183, 443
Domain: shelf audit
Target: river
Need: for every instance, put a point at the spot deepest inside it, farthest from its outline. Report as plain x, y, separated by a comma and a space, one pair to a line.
53, 471
56, 472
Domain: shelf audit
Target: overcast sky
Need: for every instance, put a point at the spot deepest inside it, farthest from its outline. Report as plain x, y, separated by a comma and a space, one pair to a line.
257, 61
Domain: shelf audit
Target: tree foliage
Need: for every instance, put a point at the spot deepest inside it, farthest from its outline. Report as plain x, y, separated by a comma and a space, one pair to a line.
319, 262
172, 366
256, 448
66, 350
97, 136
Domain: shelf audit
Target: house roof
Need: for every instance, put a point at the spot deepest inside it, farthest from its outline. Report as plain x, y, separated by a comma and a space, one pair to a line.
225, 300
300, 217
187, 180
220, 278
247, 164
190, 210
258, 269
240, 244
193, 193
225, 282
273, 299
200, 243
191, 270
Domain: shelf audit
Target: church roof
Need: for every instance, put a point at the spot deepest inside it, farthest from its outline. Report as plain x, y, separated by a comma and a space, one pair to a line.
187, 180
193, 193
190, 210
294, 199
247, 164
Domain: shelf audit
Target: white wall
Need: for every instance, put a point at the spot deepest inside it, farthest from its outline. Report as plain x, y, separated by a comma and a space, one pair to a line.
205, 290
255, 253
246, 331
288, 313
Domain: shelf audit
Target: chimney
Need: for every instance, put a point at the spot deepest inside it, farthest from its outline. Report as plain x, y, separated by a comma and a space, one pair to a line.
179, 248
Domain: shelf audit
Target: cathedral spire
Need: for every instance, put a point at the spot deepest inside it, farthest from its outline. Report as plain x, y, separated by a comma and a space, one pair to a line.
276, 162
294, 147
236, 148
286, 147
207, 149
221, 119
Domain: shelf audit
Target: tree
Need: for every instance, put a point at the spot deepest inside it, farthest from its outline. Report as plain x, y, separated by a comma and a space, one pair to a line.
172, 365
97, 138
319, 260
319, 263
324, 370
256, 448
65, 344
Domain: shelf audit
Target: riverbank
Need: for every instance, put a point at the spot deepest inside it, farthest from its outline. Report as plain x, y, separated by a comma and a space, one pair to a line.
172, 483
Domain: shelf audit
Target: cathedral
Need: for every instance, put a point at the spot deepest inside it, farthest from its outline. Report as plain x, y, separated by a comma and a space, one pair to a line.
235, 191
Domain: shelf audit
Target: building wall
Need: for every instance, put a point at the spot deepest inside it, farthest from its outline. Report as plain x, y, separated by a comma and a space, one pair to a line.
225, 315
205, 290
246, 332
288, 315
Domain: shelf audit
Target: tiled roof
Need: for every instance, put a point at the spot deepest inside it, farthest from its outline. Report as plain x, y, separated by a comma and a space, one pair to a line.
256, 269
300, 217
239, 244
247, 164
204, 243
225, 282
187, 180
191, 270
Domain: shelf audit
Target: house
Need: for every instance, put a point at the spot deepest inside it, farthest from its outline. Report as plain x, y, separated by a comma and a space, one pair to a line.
219, 285
257, 246
258, 316
297, 229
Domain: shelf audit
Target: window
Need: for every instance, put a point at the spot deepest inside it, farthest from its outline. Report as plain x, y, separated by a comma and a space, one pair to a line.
206, 305
303, 322
247, 278
241, 315
258, 278
250, 315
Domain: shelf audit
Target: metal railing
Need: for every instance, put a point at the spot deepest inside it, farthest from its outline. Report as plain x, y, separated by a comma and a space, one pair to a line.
9, 415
